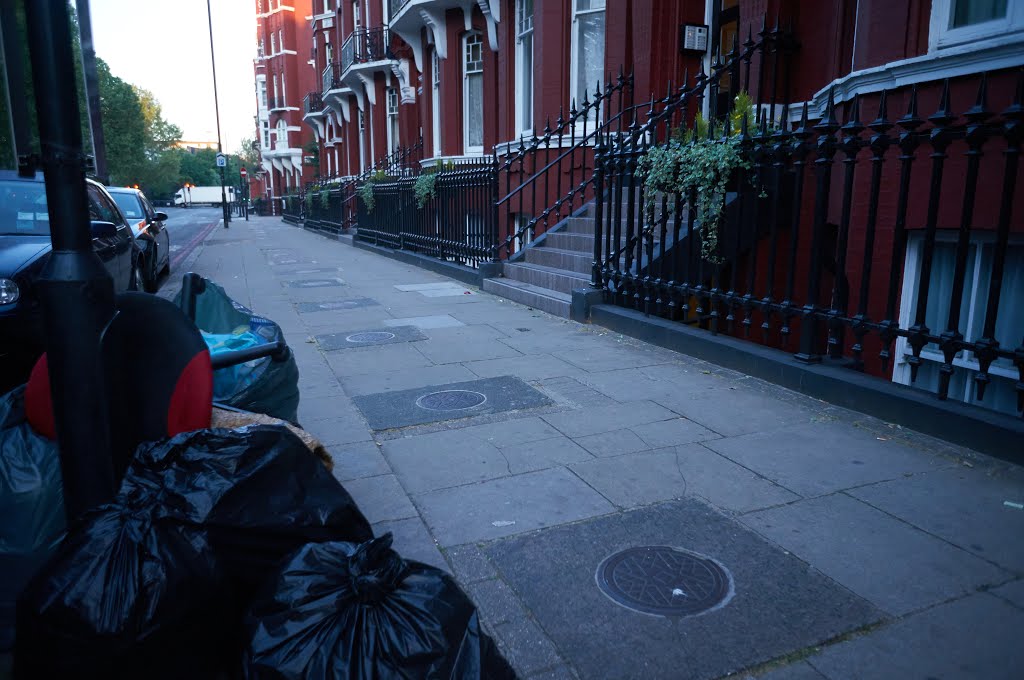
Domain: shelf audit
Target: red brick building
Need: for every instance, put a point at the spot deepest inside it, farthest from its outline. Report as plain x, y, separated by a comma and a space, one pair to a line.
510, 85
282, 78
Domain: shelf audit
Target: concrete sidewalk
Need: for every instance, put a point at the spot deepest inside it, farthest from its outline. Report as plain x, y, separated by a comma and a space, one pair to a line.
621, 511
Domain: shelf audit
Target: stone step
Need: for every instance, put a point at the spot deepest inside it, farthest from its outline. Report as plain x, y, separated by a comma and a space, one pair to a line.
543, 299
568, 260
582, 244
559, 280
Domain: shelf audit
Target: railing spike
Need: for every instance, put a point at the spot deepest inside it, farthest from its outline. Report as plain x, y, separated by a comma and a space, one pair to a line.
883, 110
980, 108
686, 77
764, 24
750, 39
853, 118
778, 13
910, 118
1018, 95
735, 53
943, 115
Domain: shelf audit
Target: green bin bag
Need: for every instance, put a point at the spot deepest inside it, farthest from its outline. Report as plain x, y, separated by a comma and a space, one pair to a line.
261, 386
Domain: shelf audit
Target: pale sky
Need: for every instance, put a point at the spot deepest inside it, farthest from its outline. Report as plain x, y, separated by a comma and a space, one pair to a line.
164, 47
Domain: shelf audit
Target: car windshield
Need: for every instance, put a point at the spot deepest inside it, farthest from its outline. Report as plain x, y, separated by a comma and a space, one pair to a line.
23, 208
129, 205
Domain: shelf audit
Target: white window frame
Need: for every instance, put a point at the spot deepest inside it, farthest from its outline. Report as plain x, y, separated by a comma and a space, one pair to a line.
273, 43
391, 96
262, 85
466, 148
435, 101
280, 40
575, 92
284, 92
327, 7
524, 126
281, 131
276, 90
965, 359
941, 36
362, 139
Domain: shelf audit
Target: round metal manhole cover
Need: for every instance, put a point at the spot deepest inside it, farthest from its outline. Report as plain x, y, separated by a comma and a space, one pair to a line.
451, 400
664, 581
371, 336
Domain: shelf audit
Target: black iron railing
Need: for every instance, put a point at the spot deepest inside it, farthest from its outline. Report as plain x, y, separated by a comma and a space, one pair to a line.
881, 242
291, 207
330, 79
456, 224
339, 210
363, 46
313, 103
545, 178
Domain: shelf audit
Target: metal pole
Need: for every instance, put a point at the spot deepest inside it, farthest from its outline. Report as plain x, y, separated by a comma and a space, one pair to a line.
76, 292
92, 91
216, 106
14, 69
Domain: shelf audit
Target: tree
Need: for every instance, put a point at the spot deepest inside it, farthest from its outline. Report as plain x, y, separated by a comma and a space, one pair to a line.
163, 164
198, 166
124, 128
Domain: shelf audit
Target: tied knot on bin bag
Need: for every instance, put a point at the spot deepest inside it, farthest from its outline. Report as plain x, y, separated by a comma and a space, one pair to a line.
376, 571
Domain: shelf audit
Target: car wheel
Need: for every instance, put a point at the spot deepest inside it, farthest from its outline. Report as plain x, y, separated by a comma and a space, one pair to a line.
150, 282
137, 281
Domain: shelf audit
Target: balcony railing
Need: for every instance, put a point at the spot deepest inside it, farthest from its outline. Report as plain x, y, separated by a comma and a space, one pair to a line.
331, 79
313, 103
396, 6
363, 46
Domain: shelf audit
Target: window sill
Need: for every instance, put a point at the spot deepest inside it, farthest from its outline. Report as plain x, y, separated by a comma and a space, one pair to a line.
993, 54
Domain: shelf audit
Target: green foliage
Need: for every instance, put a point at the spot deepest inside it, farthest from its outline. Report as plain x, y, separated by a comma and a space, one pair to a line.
308, 201
692, 165
198, 166
424, 187
325, 198
365, 193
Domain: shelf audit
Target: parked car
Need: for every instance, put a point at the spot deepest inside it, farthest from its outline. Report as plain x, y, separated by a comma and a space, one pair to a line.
24, 249
148, 228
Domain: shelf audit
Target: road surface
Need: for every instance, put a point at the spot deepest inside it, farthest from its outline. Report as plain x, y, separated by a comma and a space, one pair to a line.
188, 228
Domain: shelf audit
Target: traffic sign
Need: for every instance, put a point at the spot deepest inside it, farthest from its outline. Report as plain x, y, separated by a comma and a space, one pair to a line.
222, 160
243, 172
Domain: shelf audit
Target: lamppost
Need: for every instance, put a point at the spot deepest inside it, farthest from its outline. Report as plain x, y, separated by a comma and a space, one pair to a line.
216, 105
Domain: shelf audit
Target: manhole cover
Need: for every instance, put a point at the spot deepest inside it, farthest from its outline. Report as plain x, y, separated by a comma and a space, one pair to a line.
664, 581
371, 336
451, 400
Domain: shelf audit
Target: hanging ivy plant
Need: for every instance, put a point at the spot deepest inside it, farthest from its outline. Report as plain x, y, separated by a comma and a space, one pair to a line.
325, 198
308, 200
691, 163
425, 187
365, 193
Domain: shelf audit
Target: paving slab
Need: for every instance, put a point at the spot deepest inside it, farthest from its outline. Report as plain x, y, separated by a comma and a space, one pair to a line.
336, 305
444, 459
513, 432
736, 409
509, 505
412, 541
672, 432
553, 571
536, 367
358, 460
800, 670
468, 343
899, 568
389, 381
579, 423
572, 393
426, 322
435, 403
822, 457
614, 443
974, 637
608, 358
331, 342
545, 453
527, 648
1012, 592
380, 498
962, 505
374, 359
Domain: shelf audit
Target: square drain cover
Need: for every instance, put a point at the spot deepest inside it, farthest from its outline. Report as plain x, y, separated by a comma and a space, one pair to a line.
448, 402
383, 336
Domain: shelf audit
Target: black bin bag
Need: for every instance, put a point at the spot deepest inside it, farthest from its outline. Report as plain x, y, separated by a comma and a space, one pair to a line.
31, 506
156, 583
348, 611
